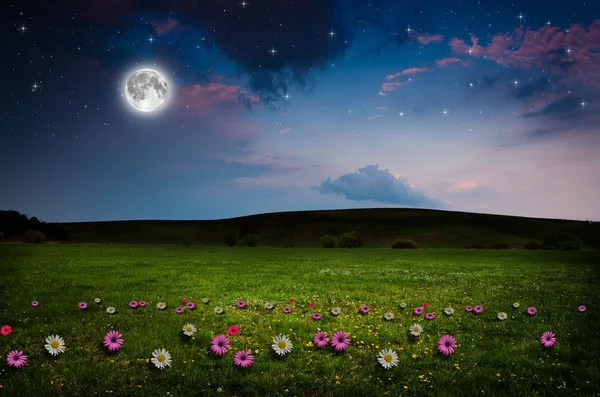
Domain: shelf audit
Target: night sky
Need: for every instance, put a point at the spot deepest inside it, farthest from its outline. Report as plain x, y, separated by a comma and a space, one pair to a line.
279, 105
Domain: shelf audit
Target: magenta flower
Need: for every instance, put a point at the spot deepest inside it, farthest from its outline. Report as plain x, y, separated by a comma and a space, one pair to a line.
82, 305
478, 309
190, 305
469, 308
286, 310
243, 358
179, 310
241, 304
320, 339
340, 341
143, 303
35, 303
219, 345
531, 310
16, 359
317, 316
418, 311
133, 304
581, 308
364, 309
446, 345
430, 316
113, 340
548, 339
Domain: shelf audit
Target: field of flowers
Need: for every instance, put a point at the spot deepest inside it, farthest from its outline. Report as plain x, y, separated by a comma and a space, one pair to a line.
134, 320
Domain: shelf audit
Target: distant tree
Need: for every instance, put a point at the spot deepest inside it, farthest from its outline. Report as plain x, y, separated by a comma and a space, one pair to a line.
350, 240
500, 246
563, 241
328, 241
34, 236
231, 237
400, 243
251, 240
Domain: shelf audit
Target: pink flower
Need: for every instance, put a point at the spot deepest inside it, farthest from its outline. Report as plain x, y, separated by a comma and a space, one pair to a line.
317, 316
311, 304
233, 329
531, 310
286, 310
430, 316
243, 358
581, 308
143, 303
133, 304
418, 311
468, 308
320, 339
219, 345
292, 300
478, 309
183, 300
5, 330
425, 304
16, 359
241, 304
446, 345
548, 339
340, 341
83, 305
113, 340
190, 305
365, 309
35, 303
179, 310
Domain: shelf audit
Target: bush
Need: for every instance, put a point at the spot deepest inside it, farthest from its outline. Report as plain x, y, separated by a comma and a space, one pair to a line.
328, 241
231, 237
475, 246
400, 243
534, 245
251, 240
562, 241
350, 240
34, 236
500, 246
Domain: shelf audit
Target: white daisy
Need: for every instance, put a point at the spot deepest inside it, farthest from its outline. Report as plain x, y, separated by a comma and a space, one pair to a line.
111, 310
218, 310
502, 316
388, 358
98, 300
388, 316
189, 329
161, 358
205, 300
516, 304
281, 344
335, 311
449, 311
415, 329
161, 305
269, 305
55, 344
402, 305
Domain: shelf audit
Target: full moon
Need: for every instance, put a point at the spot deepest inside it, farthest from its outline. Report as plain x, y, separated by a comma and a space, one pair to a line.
146, 90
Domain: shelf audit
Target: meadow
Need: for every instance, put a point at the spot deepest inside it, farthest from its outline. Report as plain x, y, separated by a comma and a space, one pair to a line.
493, 357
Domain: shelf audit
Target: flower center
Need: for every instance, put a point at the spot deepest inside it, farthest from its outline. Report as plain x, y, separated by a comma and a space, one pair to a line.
189, 329
388, 358
161, 358
113, 339
54, 344
281, 344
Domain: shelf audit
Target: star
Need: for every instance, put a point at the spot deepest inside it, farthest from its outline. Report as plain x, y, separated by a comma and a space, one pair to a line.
470, 84
568, 50
583, 104
401, 114
516, 82
35, 86
331, 33
287, 96
23, 28
273, 51
548, 23
408, 29
150, 39
445, 112
244, 4
521, 16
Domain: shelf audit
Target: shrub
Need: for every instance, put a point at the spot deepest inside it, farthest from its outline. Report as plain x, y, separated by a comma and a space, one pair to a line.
34, 236
475, 246
328, 241
251, 240
404, 244
534, 245
500, 246
231, 237
350, 240
563, 241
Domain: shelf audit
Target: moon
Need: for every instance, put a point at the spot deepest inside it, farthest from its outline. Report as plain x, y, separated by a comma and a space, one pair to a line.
146, 90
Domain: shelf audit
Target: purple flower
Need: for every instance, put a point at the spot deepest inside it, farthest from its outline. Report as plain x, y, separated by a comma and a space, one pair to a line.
83, 305
143, 303
320, 339
478, 309
287, 310
531, 310
219, 345
113, 340
190, 305
133, 304
179, 310
582, 308
340, 341
548, 339
446, 345
468, 308
418, 311
430, 316
35, 303
16, 358
243, 358
365, 309
241, 304
317, 316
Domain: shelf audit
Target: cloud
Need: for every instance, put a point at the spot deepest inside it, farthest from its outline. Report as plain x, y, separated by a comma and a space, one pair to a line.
285, 130
450, 61
371, 183
405, 72
166, 26
391, 86
427, 38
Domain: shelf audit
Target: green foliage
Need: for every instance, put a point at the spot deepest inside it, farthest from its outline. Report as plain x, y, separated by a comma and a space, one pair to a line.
251, 240
34, 236
350, 240
400, 243
500, 246
475, 246
534, 245
328, 241
563, 241
231, 237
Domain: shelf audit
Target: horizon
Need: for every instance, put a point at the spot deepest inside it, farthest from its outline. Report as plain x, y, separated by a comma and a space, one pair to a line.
325, 105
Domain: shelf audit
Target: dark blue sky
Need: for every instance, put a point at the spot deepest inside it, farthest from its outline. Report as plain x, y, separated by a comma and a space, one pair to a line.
282, 105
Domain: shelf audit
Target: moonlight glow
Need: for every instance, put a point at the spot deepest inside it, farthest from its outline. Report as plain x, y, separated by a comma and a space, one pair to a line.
146, 90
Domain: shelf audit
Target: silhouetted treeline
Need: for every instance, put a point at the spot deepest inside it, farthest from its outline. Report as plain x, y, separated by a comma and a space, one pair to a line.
13, 224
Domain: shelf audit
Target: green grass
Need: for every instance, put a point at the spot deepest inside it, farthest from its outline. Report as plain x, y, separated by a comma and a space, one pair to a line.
62, 276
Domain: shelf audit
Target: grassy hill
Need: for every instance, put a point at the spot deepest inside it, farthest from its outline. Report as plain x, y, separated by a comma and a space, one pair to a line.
378, 227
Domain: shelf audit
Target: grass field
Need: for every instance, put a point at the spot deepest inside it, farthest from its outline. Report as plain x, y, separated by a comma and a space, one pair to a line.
493, 357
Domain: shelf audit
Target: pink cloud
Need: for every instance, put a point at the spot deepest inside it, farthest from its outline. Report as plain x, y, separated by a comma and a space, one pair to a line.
162, 28
214, 95
427, 38
375, 116
391, 86
285, 130
406, 72
444, 62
